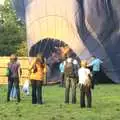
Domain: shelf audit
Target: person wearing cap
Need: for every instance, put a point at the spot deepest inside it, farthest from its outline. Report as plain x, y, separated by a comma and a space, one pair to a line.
84, 75
37, 71
13, 76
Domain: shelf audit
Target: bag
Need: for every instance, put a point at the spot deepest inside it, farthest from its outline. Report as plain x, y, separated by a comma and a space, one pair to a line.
7, 72
88, 82
26, 87
69, 69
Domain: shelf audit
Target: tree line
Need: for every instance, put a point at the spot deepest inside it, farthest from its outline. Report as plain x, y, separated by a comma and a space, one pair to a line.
12, 32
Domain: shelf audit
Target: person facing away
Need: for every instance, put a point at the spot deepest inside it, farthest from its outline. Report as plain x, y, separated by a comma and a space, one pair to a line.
14, 76
96, 66
70, 79
84, 75
37, 71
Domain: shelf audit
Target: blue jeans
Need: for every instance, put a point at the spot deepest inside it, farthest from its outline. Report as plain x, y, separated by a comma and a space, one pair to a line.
13, 92
15, 82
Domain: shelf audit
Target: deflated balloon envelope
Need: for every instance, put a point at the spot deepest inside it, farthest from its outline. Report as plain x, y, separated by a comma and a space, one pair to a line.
96, 26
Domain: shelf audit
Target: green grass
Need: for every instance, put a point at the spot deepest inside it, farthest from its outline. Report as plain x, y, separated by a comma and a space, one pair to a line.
105, 106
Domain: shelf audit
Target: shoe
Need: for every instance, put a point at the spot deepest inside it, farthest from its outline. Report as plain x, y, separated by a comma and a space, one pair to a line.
73, 102
18, 100
66, 102
8, 99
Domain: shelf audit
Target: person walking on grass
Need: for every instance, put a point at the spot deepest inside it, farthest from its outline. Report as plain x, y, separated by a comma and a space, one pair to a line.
13, 76
85, 75
37, 71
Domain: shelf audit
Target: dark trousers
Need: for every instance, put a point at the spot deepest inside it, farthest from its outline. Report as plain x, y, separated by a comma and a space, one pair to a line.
85, 91
62, 80
70, 82
95, 77
14, 81
36, 91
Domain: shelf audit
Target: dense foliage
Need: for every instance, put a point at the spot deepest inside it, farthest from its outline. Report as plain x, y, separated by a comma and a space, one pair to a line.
12, 32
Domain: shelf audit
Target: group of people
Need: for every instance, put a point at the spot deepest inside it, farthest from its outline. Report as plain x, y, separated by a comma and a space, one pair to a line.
73, 72
37, 70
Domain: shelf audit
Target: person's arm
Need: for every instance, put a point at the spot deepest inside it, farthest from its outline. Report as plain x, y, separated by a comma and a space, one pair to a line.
60, 67
91, 79
90, 76
31, 65
19, 71
101, 61
90, 64
78, 76
45, 68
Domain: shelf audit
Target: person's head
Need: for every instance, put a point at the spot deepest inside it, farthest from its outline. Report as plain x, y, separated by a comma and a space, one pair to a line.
13, 58
66, 46
40, 58
68, 55
93, 56
83, 63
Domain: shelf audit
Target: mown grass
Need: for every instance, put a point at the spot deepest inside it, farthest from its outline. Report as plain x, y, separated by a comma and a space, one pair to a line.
105, 106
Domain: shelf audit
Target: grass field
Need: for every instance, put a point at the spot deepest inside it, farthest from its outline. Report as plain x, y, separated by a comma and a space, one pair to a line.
106, 105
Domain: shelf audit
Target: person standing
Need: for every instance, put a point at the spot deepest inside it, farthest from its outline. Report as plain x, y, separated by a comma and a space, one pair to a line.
84, 75
37, 72
13, 76
96, 65
70, 80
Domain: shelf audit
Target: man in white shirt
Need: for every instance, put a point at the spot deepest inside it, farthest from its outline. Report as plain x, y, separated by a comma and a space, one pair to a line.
84, 75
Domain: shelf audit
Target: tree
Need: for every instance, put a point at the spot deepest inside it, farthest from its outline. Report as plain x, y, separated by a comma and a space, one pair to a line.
12, 32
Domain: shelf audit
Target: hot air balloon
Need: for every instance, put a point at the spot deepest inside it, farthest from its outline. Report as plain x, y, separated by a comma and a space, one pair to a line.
88, 27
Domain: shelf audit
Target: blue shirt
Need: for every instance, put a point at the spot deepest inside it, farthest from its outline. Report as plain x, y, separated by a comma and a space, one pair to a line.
61, 67
96, 64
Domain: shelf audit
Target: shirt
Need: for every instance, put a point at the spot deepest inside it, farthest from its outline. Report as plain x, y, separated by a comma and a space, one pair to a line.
74, 62
14, 69
83, 75
61, 67
39, 74
96, 64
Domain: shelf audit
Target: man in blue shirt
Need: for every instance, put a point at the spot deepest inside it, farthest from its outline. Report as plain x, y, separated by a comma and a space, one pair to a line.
96, 63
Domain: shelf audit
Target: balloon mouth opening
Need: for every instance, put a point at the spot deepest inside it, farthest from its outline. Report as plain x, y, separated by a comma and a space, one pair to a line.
49, 46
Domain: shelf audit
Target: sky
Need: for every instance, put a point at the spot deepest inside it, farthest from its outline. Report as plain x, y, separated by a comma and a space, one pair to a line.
2, 1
